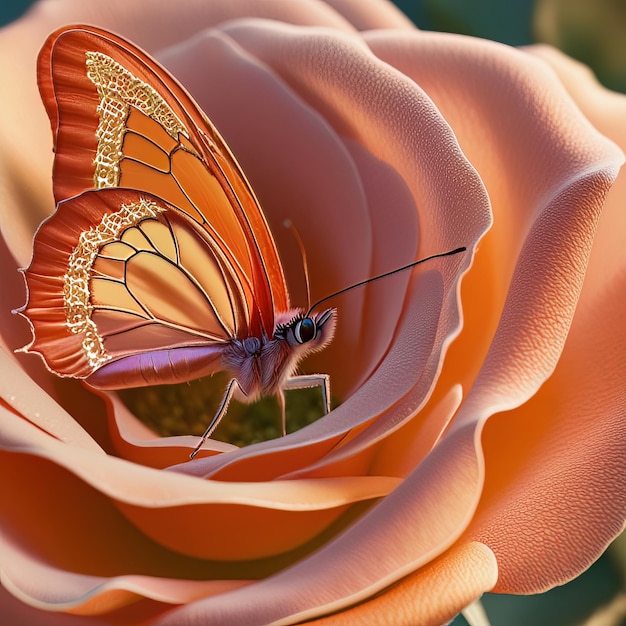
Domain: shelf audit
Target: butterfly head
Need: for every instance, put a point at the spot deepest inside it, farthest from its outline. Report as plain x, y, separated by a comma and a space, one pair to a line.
312, 331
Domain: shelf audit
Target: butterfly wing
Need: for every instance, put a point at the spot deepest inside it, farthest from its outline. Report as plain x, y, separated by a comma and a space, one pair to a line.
126, 129
125, 290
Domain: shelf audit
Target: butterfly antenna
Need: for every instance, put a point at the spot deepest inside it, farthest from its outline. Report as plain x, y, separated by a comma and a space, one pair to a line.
305, 266
390, 273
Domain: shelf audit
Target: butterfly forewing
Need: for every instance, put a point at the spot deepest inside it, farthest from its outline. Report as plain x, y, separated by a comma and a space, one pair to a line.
120, 120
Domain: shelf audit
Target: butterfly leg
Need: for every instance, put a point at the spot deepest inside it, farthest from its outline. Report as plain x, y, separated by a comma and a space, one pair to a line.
312, 380
283, 415
221, 411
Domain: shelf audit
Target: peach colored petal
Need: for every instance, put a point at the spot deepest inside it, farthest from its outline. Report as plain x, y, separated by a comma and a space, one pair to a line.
547, 172
550, 267
135, 442
544, 293
605, 109
601, 106
25, 397
153, 24
401, 452
85, 534
406, 402
571, 445
395, 225
425, 515
386, 113
555, 466
45, 587
14, 332
369, 14
430, 597
16, 613
285, 513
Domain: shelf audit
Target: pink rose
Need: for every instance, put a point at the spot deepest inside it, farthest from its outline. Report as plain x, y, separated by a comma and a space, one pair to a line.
480, 442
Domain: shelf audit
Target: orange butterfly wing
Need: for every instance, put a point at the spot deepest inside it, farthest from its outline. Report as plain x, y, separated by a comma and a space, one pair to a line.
200, 270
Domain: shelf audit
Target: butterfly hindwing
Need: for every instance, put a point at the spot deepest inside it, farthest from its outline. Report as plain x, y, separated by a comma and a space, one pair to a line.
118, 274
135, 126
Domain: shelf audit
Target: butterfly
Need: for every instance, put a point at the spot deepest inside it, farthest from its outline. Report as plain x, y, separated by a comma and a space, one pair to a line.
158, 265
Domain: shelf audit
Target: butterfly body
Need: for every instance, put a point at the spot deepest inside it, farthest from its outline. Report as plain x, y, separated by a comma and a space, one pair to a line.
158, 265
262, 366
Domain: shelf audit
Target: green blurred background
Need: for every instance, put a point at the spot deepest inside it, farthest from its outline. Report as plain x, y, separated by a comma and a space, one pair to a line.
593, 32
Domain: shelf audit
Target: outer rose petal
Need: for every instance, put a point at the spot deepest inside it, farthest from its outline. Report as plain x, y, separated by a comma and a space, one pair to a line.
539, 160
570, 437
24, 397
557, 226
605, 110
555, 466
17, 613
286, 514
431, 596
83, 594
370, 14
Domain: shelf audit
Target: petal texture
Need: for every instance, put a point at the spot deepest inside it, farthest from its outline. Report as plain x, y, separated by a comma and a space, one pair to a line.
480, 431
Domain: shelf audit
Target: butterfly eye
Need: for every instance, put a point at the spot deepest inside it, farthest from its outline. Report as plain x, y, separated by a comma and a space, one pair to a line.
305, 330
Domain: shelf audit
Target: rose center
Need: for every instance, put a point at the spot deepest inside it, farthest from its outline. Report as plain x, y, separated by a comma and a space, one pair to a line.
187, 409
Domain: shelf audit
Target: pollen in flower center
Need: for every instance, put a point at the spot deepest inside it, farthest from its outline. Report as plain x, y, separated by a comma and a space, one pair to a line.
187, 408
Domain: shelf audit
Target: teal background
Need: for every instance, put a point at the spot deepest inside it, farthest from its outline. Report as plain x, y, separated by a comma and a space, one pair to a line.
11, 9
511, 22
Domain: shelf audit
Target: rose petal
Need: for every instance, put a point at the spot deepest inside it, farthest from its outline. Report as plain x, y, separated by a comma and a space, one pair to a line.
135, 442
554, 466
154, 25
561, 204
157, 501
424, 514
570, 440
370, 14
24, 397
605, 109
45, 587
430, 597
14, 333
402, 451
17, 613
547, 171
387, 114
